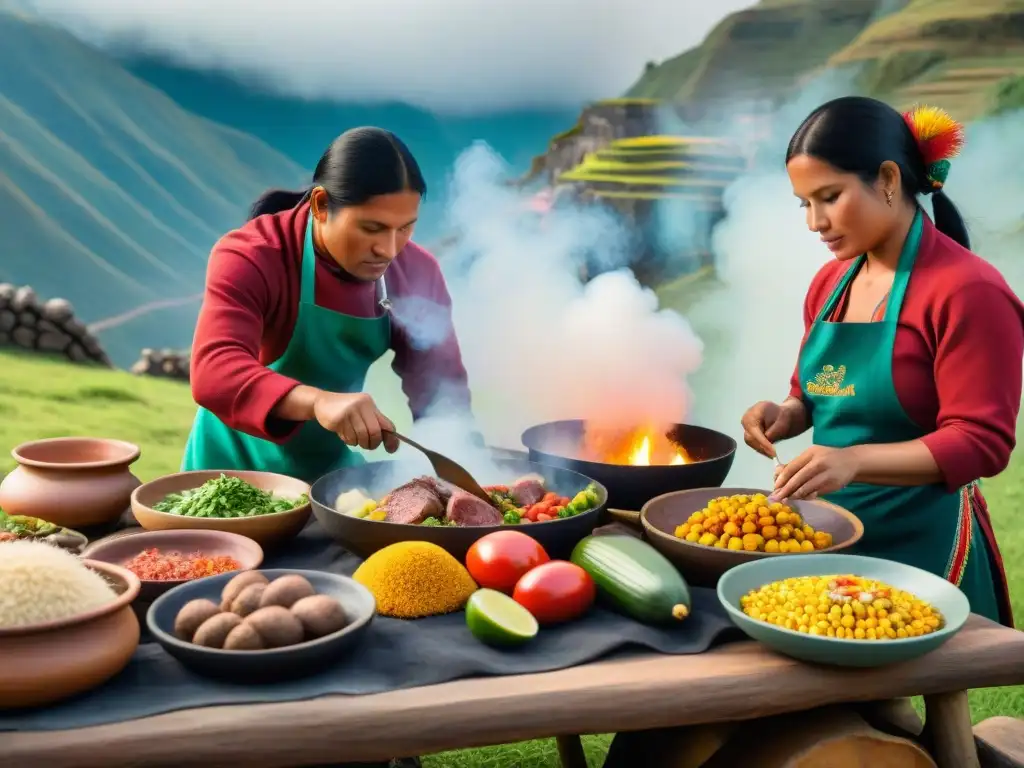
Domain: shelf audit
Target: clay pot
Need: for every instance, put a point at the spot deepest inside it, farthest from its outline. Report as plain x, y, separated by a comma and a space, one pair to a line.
45, 663
76, 482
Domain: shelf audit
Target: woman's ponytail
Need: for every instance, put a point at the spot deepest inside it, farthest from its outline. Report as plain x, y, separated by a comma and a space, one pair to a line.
939, 139
948, 219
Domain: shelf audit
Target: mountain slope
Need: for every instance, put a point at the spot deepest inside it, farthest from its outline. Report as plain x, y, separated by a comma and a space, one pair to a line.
302, 128
965, 56
111, 194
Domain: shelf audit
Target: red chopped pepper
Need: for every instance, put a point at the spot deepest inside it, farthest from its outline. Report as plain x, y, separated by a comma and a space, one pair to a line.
154, 565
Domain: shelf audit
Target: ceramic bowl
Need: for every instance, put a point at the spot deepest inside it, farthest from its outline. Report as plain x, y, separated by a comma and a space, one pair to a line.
943, 596
73, 482
703, 566
119, 549
266, 530
48, 662
271, 665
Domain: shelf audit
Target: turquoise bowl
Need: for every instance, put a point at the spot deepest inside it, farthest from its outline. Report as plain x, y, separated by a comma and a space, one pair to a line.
943, 596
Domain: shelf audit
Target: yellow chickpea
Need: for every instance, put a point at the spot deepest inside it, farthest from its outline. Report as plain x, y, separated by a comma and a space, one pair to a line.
750, 542
785, 531
749, 527
771, 546
693, 537
782, 516
731, 528
770, 531
735, 543
763, 522
806, 546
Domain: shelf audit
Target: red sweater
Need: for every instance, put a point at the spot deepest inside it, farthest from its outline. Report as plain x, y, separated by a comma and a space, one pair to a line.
251, 304
958, 355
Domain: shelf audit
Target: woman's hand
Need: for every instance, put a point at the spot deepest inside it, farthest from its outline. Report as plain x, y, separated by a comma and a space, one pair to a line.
816, 471
766, 422
355, 419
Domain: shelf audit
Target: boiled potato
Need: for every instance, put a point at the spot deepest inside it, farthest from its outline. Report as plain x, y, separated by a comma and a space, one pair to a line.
237, 584
285, 591
214, 631
276, 625
248, 599
244, 637
319, 615
192, 616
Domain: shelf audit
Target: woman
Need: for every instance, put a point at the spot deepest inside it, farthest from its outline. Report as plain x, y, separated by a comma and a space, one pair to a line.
297, 309
910, 369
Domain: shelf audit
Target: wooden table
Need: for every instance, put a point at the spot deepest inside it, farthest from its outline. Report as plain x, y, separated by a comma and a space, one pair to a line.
740, 681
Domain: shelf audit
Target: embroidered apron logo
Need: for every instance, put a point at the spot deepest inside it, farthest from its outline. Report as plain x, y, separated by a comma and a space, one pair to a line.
829, 382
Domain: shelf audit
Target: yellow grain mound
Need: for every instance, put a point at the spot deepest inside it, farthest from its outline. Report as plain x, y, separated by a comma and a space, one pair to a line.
412, 579
40, 582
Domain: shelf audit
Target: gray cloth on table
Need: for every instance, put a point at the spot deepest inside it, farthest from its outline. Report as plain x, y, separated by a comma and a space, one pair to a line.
395, 654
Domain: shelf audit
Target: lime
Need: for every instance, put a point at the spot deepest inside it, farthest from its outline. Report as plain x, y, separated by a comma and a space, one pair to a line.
496, 619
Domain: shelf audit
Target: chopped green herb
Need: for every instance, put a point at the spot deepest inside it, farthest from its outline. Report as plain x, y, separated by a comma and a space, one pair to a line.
226, 497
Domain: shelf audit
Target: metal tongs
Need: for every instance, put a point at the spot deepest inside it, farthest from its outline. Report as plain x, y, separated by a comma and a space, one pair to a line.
448, 470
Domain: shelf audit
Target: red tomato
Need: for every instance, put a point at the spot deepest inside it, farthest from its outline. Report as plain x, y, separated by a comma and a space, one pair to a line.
498, 560
556, 591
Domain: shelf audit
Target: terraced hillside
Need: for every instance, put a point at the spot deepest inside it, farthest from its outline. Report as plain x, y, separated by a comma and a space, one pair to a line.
968, 57
110, 193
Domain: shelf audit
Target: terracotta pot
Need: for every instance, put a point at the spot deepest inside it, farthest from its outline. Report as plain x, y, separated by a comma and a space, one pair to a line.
45, 663
76, 482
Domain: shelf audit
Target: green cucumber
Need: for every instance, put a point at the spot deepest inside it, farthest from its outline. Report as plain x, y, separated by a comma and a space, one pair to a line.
635, 578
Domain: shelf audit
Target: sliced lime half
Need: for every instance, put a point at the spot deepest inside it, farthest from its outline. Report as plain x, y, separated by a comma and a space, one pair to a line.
496, 619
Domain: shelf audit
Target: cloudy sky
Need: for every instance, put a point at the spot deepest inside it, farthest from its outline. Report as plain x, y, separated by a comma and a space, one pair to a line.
440, 54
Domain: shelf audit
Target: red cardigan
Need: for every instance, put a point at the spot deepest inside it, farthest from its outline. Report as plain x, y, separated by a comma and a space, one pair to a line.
958, 357
251, 304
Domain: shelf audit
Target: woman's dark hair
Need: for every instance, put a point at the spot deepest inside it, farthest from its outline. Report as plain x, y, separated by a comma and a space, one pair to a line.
361, 163
856, 135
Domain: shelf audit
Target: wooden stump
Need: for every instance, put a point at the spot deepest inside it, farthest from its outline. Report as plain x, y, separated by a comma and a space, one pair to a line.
832, 737
824, 738
1000, 742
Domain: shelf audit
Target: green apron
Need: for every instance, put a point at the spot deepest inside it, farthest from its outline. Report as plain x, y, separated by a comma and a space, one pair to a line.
328, 350
846, 370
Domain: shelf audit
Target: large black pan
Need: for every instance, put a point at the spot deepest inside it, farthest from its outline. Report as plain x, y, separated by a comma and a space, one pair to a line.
364, 537
557, 444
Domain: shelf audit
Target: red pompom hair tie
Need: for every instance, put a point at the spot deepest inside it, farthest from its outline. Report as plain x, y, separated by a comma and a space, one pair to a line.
940, 139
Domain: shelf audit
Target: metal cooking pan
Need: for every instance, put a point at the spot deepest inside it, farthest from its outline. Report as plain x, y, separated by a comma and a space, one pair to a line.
557, 444
364, 537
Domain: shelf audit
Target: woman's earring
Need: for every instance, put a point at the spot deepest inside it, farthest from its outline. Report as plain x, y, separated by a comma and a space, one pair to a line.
888, 198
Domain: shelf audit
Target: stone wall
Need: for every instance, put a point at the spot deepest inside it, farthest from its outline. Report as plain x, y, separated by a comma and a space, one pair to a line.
27, 322
164, 364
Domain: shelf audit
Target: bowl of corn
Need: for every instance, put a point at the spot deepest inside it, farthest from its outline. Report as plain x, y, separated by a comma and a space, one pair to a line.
843, 610
707, 531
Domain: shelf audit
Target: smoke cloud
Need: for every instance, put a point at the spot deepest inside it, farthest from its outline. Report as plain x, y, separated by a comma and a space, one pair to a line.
447, 55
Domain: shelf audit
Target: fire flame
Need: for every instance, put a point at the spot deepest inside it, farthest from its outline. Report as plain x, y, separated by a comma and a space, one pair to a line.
639, 447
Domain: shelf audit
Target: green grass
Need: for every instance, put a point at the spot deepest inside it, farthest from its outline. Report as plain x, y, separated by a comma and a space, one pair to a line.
47, 398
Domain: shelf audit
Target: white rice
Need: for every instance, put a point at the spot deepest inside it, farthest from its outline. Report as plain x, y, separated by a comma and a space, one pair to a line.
39, 582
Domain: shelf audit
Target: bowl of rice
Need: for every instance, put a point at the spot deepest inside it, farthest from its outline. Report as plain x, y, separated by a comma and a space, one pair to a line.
66, 623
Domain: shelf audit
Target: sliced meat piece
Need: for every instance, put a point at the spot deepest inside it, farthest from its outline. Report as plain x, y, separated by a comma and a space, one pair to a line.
527, 490
443, 490
412, 503
466, 509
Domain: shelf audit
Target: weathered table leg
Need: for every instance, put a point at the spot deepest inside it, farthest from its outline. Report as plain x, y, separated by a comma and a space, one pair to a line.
947, 724
570, 752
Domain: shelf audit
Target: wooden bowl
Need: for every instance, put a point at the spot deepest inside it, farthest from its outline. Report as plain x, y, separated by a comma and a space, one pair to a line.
55, 660
820, 649
363, 537
703, 566
274, 664
73, 482
265, 530
118, 550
